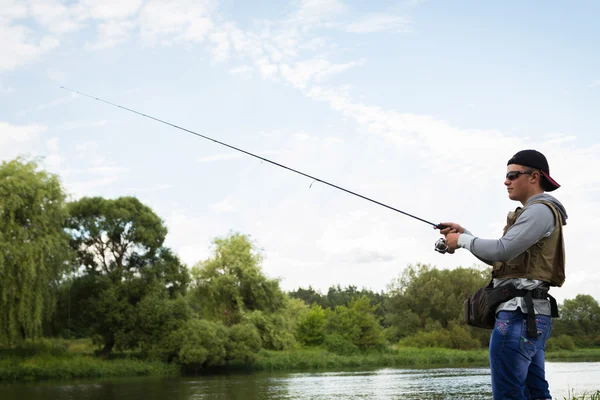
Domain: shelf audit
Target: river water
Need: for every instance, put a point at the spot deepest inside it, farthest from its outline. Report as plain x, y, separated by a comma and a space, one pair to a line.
422, 384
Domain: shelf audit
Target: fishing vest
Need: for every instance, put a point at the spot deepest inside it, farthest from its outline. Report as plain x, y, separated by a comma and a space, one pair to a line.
544, 261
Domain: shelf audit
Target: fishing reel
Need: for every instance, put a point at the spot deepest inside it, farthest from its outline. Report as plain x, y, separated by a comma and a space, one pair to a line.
441, 246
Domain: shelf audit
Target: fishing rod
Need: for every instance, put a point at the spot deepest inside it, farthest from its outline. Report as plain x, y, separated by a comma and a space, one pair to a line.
440, 245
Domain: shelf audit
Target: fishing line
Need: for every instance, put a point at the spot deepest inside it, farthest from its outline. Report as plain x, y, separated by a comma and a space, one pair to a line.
315, 179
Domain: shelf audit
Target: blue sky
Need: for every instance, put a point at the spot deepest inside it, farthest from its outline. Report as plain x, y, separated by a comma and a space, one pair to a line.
415, 103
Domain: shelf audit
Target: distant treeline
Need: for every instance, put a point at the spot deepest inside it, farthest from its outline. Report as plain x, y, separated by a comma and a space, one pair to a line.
98, 268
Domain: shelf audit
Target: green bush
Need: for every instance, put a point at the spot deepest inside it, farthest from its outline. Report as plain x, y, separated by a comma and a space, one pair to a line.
458, 337
357, 323
310, 329
338, 344
243, 344
562, 342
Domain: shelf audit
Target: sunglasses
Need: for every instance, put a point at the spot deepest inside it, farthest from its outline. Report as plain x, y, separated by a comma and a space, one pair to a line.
512, 175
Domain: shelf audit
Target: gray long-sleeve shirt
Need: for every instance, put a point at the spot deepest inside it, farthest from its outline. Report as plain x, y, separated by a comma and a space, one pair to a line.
533, 224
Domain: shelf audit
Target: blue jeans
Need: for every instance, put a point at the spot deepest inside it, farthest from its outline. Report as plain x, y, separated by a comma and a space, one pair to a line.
517, 361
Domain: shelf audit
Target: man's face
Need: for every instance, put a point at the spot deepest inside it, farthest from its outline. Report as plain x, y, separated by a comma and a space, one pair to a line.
517, 181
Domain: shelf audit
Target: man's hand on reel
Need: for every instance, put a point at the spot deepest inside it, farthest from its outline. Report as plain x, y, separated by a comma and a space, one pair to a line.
451, 231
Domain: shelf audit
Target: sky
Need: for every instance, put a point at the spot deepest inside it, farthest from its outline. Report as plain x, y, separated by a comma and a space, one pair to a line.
417, 104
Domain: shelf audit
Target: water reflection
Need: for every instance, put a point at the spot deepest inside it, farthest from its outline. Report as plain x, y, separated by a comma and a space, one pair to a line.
410, 384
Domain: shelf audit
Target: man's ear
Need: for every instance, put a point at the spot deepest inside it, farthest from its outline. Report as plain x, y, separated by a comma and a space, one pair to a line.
537, 176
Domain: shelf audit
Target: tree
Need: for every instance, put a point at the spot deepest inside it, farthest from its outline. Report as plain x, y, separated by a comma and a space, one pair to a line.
310, 296
231, 288
579, 317
121, 261
231, 283
34, 249
357, 323
311, 326
114, 238
429, 298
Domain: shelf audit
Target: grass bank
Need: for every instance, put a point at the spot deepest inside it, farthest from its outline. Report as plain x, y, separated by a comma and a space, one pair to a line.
48, 361
316, 358
63, 360
584, 396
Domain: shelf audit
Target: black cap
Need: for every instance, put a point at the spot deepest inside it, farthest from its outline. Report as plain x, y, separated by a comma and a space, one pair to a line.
535, 159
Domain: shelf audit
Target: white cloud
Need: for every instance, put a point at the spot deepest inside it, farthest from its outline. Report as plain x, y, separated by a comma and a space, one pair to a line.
83, 148
380, 23
225, 205
166, 21
16, 140
67, 126
220, 157
57, 102
111, 33
52, 144
220, 50
149, 189
6, 89
243, 70
19, 45
57, 17
315, 12
595, 83
12, 9
303, 72
56, 76
267, 69
112, 9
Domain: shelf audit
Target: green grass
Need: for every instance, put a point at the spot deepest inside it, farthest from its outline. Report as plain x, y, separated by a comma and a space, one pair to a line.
51, 359
315, 358
584, 396
74, 359
49, 367
592, 354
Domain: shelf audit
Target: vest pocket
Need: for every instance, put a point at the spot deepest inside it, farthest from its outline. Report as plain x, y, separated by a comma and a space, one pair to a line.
520, 263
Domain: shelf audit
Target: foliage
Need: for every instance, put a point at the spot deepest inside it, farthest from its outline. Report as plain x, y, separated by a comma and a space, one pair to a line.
34, 248
338, 344
583, 396
231, 283
457, 337
243, 344
338, 296
311, 326
123, 270
562, 342
579, 317
435, 296
230, 288
356, 323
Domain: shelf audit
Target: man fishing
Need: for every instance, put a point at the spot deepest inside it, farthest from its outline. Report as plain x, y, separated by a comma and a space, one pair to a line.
528, 258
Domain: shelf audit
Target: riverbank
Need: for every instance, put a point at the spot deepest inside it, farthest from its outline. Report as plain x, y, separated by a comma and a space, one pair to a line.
75, 361
43, 367
314, 358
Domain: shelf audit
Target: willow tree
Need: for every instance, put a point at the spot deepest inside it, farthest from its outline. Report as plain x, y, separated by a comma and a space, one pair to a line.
34, 248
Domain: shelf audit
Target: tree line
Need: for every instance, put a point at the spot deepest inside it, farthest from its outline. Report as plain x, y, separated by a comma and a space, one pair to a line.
98, 268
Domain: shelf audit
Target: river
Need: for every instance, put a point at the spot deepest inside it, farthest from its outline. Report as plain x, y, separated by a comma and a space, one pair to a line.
388, 383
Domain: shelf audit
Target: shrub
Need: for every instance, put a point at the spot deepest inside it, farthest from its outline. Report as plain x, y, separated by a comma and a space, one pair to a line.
337, 344
458, 337
562, 342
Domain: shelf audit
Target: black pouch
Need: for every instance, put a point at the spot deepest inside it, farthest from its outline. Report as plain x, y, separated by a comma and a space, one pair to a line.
499, 295
477, 312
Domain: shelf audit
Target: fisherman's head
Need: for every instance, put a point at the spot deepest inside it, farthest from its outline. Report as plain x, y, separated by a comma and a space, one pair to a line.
527, 174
